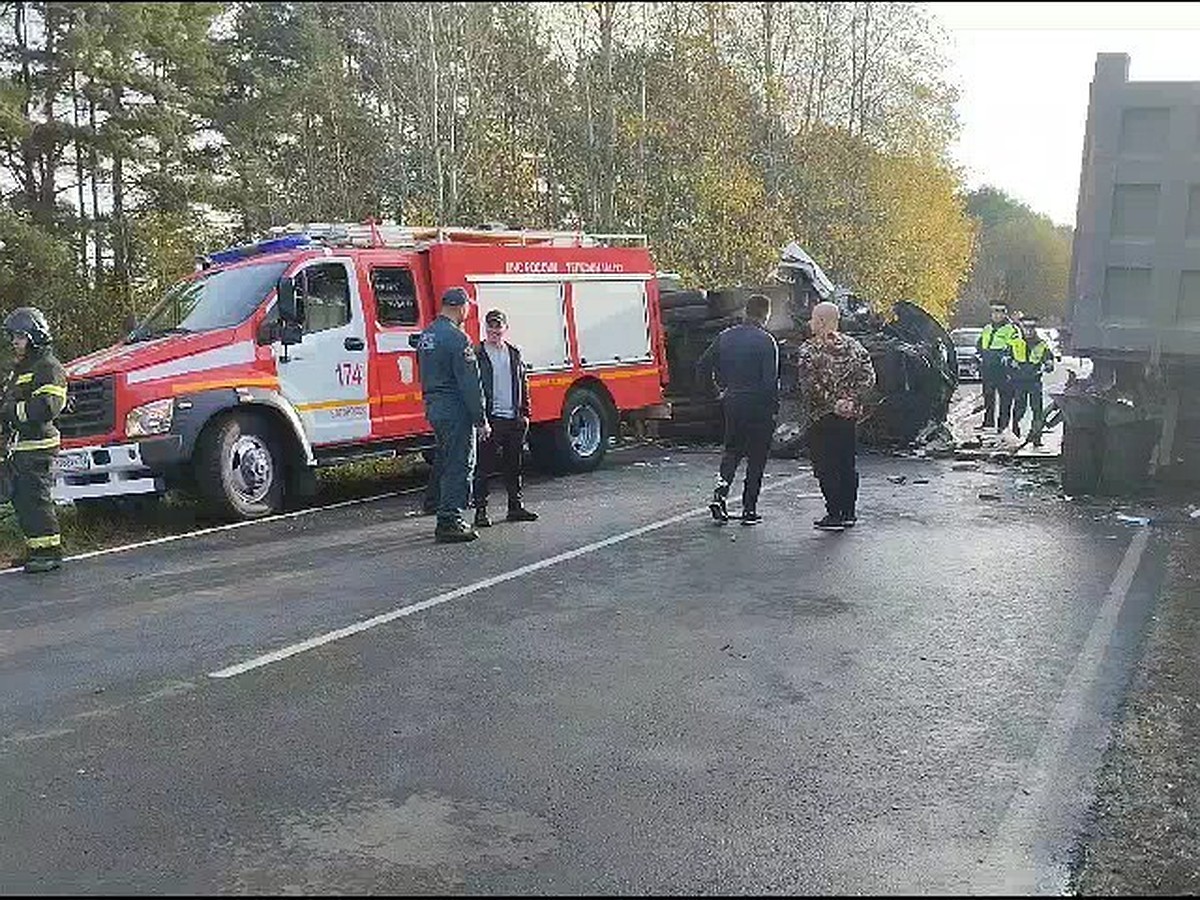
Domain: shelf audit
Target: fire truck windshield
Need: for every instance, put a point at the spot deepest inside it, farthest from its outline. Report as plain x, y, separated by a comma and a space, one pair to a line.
209, 302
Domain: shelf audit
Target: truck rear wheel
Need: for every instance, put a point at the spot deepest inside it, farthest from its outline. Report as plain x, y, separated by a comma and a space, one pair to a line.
1081, 458
578, 441
239, 467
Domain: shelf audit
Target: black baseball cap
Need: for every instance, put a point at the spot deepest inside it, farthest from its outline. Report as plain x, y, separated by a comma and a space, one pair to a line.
455, 296
496, 317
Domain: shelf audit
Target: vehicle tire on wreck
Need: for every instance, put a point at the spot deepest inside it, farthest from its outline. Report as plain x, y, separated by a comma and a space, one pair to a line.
1081, 459
1125, 463
678, 314
675, 299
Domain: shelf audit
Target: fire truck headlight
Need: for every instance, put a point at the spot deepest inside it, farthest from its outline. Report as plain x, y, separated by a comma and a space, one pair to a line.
152, 418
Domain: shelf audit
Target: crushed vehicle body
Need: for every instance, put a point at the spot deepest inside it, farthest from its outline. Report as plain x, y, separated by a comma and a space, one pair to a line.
914, 356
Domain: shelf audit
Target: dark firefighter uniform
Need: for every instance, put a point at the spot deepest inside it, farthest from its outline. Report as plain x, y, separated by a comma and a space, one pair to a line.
454, 407
34, 395
993, 349
1028, 358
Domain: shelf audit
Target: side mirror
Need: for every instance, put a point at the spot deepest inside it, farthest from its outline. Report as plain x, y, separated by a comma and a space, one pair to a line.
290, 333
268, 332
289, 303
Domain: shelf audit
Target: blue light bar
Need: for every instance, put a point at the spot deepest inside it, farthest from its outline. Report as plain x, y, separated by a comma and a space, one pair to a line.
260, 248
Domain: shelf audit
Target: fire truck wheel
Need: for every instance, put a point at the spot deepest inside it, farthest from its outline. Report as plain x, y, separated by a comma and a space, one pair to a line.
239, 467
583, 431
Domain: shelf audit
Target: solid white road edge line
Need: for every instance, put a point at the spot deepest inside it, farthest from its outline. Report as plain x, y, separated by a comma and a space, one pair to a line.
1013, 858
276, 656
124, 548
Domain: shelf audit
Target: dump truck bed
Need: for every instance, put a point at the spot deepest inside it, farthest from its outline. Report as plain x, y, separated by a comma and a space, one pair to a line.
1135, 269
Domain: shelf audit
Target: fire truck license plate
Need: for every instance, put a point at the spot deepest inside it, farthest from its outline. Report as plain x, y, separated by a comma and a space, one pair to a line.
74, 462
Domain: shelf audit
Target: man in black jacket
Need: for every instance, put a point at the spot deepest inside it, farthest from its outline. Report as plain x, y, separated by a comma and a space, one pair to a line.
745, 360
33, 398
505, 382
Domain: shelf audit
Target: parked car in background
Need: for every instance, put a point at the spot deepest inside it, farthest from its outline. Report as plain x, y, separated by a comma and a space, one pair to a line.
967, 351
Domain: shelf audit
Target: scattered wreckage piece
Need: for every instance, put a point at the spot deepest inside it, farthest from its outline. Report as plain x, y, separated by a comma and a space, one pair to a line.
915, 363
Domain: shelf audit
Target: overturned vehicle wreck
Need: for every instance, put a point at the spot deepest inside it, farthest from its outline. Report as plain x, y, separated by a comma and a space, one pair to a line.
915, 363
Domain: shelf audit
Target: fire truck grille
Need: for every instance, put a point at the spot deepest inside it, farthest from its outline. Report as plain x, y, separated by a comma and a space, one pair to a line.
90, 409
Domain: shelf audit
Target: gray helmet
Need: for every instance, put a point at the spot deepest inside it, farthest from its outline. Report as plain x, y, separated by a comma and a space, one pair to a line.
30, 322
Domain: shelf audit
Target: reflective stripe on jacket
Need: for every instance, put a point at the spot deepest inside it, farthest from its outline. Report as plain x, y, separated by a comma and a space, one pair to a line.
34, 397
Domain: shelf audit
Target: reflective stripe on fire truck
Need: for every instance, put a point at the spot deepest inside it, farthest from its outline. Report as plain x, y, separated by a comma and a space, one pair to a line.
218, 358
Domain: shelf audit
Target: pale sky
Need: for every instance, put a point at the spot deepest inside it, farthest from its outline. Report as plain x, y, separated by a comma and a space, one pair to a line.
1023, 71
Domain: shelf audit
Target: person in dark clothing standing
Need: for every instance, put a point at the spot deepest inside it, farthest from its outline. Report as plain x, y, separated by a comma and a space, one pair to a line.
835, 375
34, 396
745, 361
505, 382
454, 407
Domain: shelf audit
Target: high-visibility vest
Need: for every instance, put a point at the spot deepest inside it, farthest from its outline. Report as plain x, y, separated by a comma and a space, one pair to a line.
998, 337
1023, 353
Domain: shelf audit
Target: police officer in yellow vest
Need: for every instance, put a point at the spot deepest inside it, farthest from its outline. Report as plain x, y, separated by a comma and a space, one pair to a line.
1029, 356
993, 349
34, 395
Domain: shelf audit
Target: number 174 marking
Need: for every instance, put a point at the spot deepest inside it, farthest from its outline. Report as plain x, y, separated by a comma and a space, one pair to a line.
349, 373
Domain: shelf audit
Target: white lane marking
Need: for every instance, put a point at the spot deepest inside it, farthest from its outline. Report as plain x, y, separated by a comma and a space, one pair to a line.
124, 548
1013, 854
383, 618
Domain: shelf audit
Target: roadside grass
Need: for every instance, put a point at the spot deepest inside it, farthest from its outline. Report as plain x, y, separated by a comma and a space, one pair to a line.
1143, 837
177, 513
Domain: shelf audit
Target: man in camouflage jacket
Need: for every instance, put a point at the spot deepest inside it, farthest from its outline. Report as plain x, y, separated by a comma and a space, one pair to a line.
835, 376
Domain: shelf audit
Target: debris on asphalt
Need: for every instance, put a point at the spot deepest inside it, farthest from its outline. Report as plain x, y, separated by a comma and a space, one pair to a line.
1133, 520
986, 495
965, 467
920, 481
897, 479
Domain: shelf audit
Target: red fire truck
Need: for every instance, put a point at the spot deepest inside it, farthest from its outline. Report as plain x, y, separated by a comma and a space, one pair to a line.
296, 352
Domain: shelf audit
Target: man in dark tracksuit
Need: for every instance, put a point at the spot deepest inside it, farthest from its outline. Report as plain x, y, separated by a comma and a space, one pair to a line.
454, 407
505, 382
745, 360
993, 348
34, 395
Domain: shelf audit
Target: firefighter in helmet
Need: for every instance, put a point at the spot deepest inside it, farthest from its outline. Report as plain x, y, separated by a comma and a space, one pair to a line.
34, 395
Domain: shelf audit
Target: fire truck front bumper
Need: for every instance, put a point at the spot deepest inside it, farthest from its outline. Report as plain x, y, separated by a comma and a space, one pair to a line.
114, 470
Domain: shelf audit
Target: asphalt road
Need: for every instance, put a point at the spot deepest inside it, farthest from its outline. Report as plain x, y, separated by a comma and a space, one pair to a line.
621, 697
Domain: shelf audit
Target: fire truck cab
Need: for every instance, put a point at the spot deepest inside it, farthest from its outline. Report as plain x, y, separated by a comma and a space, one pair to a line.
297, 351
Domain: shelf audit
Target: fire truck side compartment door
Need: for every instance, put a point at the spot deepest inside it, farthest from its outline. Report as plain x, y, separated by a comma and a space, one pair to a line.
324, 379
537, 321
612, 322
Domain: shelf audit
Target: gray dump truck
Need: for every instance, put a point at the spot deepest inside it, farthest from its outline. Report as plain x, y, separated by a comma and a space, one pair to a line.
1134, 296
